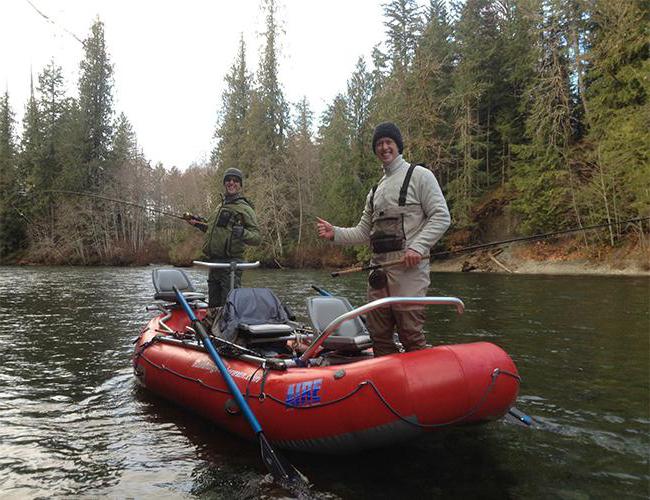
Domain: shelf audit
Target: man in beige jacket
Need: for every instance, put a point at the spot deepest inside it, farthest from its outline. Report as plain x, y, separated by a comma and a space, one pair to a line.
404, 216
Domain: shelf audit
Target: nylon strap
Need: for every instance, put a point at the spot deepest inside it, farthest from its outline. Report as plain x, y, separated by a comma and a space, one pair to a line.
405, 186
402, 191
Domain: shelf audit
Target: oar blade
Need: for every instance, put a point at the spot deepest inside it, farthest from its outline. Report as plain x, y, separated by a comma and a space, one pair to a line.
282, 471
518, 417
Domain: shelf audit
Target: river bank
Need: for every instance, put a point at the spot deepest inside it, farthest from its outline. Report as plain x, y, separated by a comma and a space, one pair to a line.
541, 257
551, 259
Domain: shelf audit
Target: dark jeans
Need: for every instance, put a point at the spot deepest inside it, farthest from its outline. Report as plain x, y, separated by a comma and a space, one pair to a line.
219, 286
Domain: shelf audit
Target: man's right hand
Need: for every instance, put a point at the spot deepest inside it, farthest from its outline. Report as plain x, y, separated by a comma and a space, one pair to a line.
325, 229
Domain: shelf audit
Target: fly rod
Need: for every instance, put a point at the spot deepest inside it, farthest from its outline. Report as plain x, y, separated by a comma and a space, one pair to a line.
185, 216
484, 245
536, 237
371, 267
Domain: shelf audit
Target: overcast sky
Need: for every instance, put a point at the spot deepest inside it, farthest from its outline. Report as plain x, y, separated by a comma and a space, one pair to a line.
170, 58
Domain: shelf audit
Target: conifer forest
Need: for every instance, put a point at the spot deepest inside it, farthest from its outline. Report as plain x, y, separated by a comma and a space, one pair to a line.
534, 110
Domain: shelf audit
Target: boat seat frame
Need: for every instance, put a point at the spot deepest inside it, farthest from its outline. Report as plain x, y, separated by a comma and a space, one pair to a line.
350, 336
165, 279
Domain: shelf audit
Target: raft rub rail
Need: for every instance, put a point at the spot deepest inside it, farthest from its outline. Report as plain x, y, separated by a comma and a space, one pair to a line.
371, 306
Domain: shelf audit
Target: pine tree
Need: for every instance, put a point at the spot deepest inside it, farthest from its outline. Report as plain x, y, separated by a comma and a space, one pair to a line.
230, 132
337, 177
12, 236
403, 28
303, 172
403, 21
32, 146
362, 162
518, 27
266, 129
477, 49
541, 172
96, 107
617, 96
47, 169
428, 86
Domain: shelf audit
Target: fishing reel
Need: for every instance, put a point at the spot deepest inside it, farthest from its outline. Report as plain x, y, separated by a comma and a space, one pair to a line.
188, 216
377, 279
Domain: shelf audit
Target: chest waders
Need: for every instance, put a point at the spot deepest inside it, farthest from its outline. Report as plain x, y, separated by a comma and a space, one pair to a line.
387, 232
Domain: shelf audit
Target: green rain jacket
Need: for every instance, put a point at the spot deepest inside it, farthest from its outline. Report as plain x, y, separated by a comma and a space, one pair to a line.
219, 240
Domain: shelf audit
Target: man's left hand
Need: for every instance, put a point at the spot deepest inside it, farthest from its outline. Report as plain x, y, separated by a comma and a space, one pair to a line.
412, 258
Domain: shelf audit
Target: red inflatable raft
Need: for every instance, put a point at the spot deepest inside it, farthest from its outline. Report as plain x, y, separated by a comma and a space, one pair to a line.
315, 390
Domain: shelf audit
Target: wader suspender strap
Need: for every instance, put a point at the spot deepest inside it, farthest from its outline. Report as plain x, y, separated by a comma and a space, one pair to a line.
405, 186
402, 191
372, 197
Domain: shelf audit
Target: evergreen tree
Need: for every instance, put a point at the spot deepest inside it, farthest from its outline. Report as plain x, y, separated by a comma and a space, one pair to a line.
428, 86
403, 28
47, 171
335, 151
230, 133
32, 145
542, 176
96, 107
518, 26
617, 96
303, 171
403, 21
11, 225
362, 162
267, 124
477, 50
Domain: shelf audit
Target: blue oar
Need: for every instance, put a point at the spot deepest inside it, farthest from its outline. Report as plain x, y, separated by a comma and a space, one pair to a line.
283, 472
321, 291
519, 417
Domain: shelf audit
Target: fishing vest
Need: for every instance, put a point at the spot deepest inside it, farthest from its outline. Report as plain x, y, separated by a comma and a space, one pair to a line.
219, 240
390, 225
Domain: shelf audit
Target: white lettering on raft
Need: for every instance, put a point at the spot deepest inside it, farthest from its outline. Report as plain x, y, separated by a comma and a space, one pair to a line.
208, 364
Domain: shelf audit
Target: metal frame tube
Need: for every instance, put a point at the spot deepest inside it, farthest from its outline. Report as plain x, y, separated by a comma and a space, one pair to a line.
228, 265
376, 304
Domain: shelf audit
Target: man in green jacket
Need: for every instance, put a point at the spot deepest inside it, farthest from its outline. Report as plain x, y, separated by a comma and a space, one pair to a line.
231, 227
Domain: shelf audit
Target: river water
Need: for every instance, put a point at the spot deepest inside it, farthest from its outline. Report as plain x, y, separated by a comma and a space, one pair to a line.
73, 423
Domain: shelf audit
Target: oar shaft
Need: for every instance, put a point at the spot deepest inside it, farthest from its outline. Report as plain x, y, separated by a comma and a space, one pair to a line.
223, 369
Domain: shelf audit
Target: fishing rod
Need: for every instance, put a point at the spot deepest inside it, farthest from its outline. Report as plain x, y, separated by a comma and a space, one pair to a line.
536, 237
373, 267
186, 216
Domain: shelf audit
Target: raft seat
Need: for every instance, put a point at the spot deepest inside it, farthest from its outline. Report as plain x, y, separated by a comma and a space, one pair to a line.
256, 316
164, 281
351, 336
267, 333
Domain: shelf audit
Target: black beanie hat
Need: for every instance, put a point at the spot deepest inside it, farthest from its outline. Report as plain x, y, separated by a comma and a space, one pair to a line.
234, 172
388, 129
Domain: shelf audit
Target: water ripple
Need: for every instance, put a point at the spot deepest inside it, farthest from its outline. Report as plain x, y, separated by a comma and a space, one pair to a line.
73, 423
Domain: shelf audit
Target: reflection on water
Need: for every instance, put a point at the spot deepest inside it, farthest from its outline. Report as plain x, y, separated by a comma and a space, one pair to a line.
73, 422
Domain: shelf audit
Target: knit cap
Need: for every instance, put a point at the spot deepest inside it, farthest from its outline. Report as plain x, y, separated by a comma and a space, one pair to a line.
234, 172
388, 129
